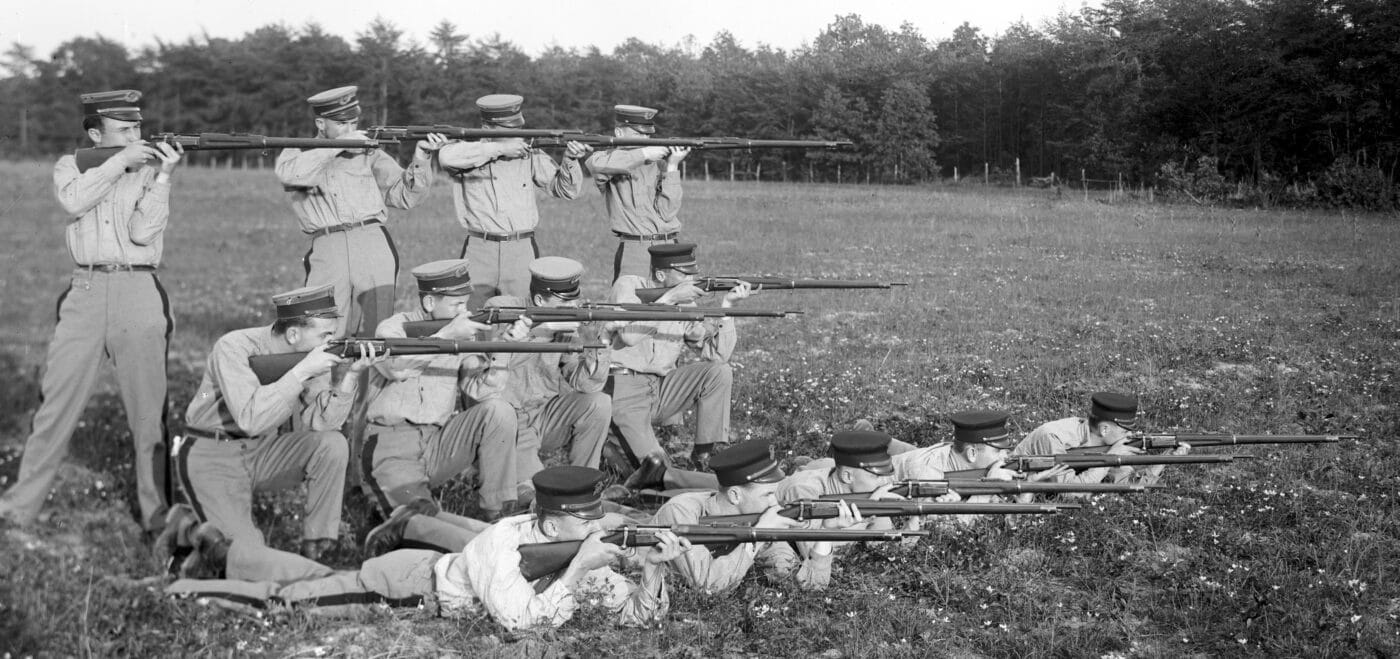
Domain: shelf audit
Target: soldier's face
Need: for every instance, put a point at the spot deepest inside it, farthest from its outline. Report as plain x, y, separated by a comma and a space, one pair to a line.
983, 455
116, 132
755, 497
864, 481
316, 334
446, 307
333, 129
568, 527
1112, 433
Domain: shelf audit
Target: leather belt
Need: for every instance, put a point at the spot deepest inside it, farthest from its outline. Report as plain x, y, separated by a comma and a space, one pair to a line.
326, 231
216, 435
647, 236
500, 237
118, 267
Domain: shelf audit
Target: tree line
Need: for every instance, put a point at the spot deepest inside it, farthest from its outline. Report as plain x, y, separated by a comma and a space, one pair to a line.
1208, 96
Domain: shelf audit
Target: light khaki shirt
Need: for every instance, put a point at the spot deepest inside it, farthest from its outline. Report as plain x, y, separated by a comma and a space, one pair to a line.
115, 216
331, 187
497, 195
1057, 437
661, 342
641, 196
486, 575
425, 389
230, 399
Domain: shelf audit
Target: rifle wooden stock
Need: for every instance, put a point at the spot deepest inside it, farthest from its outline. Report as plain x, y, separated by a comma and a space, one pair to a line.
538, 560
421, 132
271, 368
1152, 441
1080, 462
826, 508
709, 312
94, 156
507, 315
727, 282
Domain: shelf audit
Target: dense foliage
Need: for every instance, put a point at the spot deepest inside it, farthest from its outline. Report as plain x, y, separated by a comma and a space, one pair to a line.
1291, 97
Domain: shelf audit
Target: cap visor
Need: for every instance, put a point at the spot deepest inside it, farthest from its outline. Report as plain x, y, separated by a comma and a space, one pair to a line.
880, 469
773, 475
587, 511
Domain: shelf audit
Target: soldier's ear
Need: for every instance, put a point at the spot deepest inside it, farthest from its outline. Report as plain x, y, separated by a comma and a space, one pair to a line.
537, 300
732, 494
843, 474
95, 134
428, 302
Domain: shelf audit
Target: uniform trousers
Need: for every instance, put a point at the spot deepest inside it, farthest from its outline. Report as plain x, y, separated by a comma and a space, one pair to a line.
632, 257
219, 478
573, 419
640, 400
362, 264
124, 315
499, 267
258, 576
403, 462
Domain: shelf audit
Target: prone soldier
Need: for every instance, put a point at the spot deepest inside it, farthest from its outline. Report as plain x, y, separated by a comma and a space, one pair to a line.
1111, 419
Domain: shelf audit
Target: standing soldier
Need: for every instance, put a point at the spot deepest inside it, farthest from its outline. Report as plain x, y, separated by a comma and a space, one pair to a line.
642, 189
339, 197
114, 306
494, 194
233, 445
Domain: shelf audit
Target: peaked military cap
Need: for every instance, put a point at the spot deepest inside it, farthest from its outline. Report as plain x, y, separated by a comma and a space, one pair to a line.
1118, 408
307, 302
120, 104
636, 116
557, 276
572, 490
982, 427
863, 449
339, 104
446, 277
746, 462
501, 109
680, 256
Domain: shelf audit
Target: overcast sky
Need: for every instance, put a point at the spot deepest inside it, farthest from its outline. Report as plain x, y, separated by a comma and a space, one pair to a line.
534, 26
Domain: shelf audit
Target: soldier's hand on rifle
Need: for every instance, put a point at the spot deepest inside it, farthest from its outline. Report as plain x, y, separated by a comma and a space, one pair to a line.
849, 516
593, 553
520, 329
136, 154
740, 292
883, 493
462, 328
576, 150
369, 354
512, 148
1050, 474
668, 548
682, 293
774, 519
654, 153
1181, 449
316, 363
1123, 448
997, 471
353, 135
676, 156
432, 142
169, 156
950, 497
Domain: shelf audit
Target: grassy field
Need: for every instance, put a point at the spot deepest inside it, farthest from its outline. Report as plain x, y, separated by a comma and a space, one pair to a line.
1220, 320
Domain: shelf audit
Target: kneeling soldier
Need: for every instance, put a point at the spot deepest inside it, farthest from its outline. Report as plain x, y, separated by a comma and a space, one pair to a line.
232, 446
420, 436
485, 576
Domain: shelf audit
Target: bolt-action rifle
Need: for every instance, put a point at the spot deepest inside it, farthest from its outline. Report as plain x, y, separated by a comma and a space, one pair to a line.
918, 489
827, 507
709, 312
94, 156
1081, 462
538, 560
507, 315
728, 282
414, 133
698, 143
271, 368
1151, 441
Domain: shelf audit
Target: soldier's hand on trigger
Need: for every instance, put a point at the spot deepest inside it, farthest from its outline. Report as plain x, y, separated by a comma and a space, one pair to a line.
654, 153
432, 142
849, 517
462, 328
950, 497
682, 293
997, 471
316, 363
668, 548
593, 553
513, 148
1124, 448
1182, 448
136, 154
169, 155
884, 493
1050, 474
576, 150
